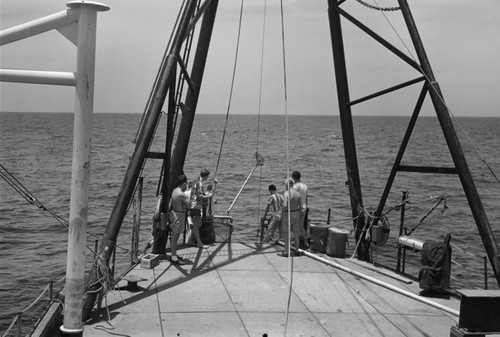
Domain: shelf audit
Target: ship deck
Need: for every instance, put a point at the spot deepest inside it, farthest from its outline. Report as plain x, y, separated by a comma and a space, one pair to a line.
237, 289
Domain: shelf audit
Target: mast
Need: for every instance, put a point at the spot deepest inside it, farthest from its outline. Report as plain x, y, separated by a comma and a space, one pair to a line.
164, 84
189, 108
166, 76
353, 181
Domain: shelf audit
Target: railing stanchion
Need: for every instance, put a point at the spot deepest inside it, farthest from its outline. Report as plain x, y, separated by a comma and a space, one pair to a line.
51, 290
485, 259
19, 323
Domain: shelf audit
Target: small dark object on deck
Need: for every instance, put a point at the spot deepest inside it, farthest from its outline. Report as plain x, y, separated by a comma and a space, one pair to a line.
132, 281
480, 310
434, 276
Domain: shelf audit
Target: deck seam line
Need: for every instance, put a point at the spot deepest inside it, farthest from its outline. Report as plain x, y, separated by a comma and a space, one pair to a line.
215, 267
371, 305
300, 299
158, 304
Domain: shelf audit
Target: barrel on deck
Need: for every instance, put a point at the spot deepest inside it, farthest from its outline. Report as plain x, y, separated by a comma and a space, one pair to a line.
318, 237
207, 231
337, 241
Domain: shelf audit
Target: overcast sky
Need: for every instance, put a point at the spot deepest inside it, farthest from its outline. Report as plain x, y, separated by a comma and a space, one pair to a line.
462, 40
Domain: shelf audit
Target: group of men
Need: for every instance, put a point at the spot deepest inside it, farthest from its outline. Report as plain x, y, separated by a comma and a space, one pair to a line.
189, 204
288, 212
193, 203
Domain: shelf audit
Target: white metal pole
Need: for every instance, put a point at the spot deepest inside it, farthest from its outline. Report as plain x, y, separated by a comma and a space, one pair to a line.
37, 77
80, 176
381, 283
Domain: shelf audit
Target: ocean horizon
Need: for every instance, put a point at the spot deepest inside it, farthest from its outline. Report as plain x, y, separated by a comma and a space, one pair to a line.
36, 148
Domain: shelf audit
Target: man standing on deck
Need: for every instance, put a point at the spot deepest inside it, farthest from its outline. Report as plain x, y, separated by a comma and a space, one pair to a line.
304, 225
291, 211
179, 203
200, 199
274, 205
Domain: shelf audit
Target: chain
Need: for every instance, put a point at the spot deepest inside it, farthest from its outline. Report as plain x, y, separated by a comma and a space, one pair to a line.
384, 9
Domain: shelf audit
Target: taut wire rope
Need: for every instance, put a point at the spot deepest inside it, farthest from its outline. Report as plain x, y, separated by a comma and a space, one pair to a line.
259, 159
288, 252
260, 108
478, 153
230, 92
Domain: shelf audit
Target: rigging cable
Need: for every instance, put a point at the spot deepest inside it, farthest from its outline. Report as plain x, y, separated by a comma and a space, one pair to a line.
478, 153
260, 107
30, 198
27, 195
230, 92
290, 258
259, 159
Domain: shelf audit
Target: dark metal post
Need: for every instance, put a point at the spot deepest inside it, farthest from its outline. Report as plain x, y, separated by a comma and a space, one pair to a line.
137, 225
160, 241
459, 160
353, 180
133, 249
485, 272
189, 110
401, 226
114, 264
19, 323
51, 290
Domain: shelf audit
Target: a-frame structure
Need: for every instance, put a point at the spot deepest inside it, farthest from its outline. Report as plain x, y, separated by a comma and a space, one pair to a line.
430, 87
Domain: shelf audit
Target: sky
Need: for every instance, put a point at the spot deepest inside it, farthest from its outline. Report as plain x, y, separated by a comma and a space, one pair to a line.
462, 41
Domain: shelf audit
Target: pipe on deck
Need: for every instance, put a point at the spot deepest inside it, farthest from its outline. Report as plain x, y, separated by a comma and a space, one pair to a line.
382, 284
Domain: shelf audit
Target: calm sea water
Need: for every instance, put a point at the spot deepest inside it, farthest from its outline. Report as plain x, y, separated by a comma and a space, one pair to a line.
37, 150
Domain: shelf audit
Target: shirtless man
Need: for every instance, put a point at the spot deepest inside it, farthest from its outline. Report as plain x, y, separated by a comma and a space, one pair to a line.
302, 189
291, 200
180, 203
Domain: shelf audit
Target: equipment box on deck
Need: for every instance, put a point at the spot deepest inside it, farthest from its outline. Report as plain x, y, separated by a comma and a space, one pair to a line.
150, 261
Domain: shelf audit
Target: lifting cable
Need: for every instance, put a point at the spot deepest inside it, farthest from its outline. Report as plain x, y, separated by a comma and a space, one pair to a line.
27, 195
30, 198
478, 153
260, 108
230, 93
288, 252
259, 159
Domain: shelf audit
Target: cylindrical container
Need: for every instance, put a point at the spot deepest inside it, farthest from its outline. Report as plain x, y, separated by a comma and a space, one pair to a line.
207, 231
318, 237
337, 241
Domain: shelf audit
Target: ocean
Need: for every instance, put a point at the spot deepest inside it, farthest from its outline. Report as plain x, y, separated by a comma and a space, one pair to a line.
36, 148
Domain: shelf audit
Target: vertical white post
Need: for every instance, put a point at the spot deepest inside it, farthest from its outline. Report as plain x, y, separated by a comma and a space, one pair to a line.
80, 174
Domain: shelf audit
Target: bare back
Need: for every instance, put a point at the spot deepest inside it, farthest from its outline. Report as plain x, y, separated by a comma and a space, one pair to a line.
179, 200
295, 200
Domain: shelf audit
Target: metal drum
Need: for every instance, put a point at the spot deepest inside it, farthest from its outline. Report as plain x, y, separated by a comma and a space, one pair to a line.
337, 241
207, 231
318, 237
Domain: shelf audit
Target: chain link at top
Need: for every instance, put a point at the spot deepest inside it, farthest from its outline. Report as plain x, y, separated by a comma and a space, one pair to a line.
384, 9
